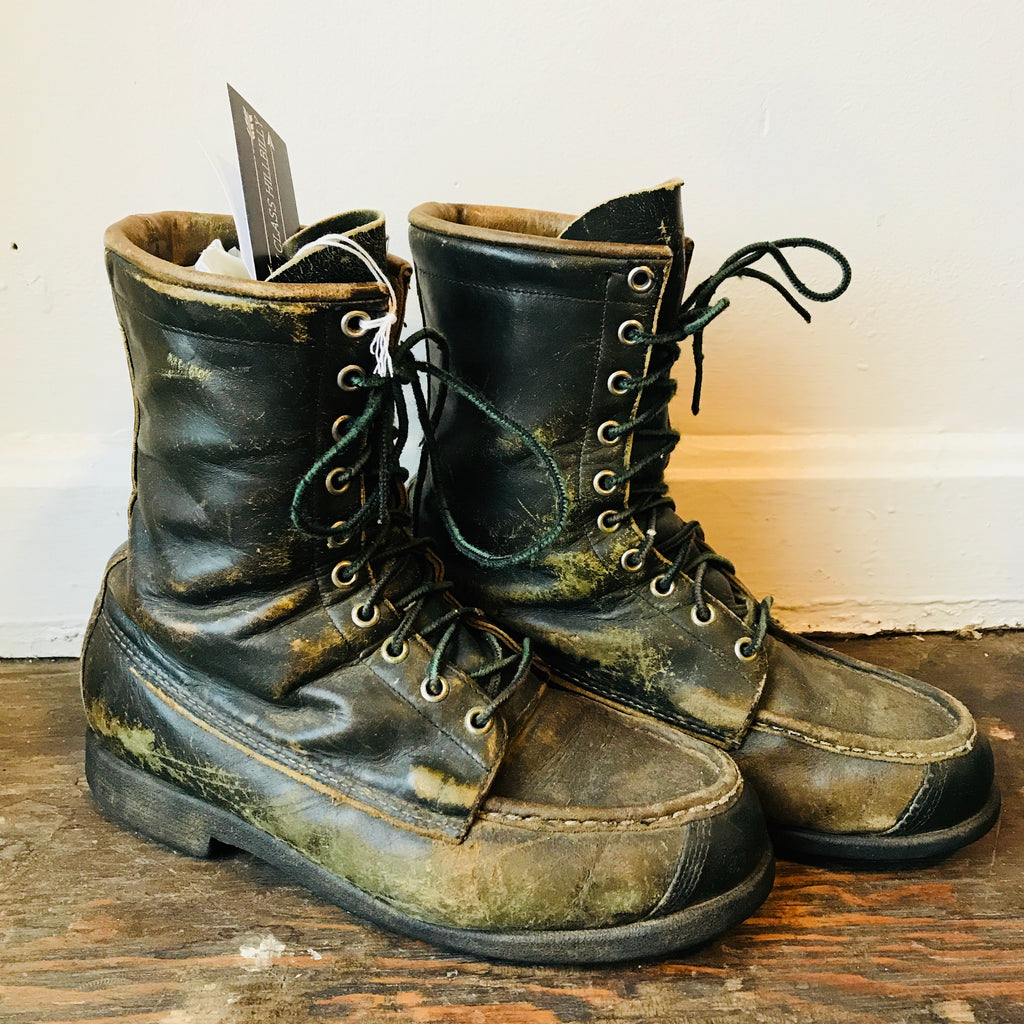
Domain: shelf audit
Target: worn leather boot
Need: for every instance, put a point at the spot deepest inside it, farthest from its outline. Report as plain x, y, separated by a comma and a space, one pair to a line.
277, 664
571, 326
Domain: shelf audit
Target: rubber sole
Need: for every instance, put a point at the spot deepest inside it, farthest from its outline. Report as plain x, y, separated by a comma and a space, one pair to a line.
797, 843
157, 810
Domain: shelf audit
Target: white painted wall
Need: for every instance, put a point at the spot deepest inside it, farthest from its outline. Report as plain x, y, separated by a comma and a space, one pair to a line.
868, 469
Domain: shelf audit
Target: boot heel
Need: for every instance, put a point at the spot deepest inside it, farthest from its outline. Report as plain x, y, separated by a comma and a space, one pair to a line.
147, 805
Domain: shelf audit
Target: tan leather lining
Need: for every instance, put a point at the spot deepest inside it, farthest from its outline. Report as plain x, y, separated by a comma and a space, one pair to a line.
522, 229
165, 246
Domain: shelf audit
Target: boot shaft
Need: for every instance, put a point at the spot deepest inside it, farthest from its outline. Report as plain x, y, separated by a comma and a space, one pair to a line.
541, 324
534, 319
240, 386
227, 612
236, 387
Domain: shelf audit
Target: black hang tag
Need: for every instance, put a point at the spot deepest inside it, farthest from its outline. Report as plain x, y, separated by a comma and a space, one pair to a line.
267, 189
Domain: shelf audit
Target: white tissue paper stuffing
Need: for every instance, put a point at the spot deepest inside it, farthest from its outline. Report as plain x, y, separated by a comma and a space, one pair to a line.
215, 259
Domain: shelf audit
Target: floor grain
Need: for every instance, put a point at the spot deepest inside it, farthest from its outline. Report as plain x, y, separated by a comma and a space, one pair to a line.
99, 926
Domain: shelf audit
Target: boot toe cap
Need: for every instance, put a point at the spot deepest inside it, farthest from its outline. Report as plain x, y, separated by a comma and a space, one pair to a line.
859, 762
956, 803
656, 830
856, 808
719, 851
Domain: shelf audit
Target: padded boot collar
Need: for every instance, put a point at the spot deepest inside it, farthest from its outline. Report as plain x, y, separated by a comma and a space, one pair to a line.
536, 230
163, 248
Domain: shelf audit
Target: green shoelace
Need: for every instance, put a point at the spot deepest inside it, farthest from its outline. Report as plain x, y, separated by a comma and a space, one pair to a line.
381, 523
691, 555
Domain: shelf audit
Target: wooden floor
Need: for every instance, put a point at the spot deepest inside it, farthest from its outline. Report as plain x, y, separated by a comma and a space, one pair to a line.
97, 925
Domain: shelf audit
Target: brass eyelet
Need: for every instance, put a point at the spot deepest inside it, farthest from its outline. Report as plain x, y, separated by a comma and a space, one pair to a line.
362, 623
640, 279
602, 433
352, 323
336, 427
628, 325
391, 658
331, 482
342, 581
744, 641
605, 474
428, 695
346, 375
471, 724
698, 621
614, 382
656, 589
333, 542
630, 560
603, 521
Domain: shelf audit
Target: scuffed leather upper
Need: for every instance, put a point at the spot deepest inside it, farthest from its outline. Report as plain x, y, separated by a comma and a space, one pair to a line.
534, 324
224, 659
219, 585
531, 306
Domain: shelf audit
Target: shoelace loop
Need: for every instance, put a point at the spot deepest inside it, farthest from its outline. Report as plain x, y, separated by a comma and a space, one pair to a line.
696, 313
698, 310
431, 451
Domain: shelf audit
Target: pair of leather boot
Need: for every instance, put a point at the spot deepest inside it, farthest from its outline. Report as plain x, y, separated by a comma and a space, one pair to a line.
279, 662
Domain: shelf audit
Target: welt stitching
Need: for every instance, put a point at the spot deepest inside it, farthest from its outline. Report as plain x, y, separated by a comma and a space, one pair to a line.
937, 785
937, 789
696, 857
918, 803
690, 865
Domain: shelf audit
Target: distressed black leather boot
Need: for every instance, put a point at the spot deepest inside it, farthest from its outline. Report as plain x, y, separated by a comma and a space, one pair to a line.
277, 664
571, 326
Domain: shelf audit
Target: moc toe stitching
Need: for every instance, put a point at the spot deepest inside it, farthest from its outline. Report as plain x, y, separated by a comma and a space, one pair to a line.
637, 821
864, 748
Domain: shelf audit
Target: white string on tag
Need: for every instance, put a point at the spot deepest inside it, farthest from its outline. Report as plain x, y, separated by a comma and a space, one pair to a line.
381, 325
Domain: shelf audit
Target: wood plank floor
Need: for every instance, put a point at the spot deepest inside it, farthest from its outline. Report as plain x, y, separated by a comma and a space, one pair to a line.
97, 925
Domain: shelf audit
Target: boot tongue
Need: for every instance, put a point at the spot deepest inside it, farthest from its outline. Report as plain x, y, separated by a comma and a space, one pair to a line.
327, 264
310, 263
650, 217
654, 217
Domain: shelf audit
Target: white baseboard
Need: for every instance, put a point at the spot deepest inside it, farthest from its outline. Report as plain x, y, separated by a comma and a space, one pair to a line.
63, 510
853, 533
862, 533
41, 638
